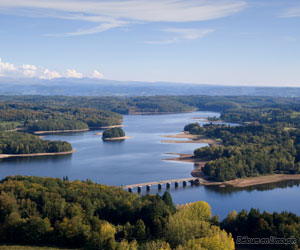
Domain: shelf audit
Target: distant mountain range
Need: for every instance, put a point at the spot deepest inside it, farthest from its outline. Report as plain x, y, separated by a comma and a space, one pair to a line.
96, 87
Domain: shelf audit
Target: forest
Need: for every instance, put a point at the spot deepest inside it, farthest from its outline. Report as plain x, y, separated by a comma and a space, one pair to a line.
82, 214
156, 104
37, 117
266, 141
24, 143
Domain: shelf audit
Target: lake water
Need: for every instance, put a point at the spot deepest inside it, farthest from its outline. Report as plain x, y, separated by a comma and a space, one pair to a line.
141, 159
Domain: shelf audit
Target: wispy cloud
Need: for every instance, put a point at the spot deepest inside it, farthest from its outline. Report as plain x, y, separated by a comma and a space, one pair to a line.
117, 13
182, 34
292, 12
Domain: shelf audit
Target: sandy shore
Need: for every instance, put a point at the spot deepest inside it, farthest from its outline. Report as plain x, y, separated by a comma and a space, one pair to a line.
3, 156
252, 181
192, 139
117, 138
60, 131
113, 126
240, 182
99, 133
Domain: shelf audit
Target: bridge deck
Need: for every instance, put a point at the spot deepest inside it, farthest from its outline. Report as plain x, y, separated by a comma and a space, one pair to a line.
159, 182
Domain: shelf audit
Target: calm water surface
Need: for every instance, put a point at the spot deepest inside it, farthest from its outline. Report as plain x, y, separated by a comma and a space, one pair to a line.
141, 159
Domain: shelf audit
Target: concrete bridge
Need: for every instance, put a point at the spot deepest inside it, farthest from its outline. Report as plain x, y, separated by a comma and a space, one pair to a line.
159, 184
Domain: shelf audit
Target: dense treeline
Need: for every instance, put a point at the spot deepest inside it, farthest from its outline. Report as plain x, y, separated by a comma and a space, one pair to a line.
58, 124
113, 133
254, 224
78, 214
24, 143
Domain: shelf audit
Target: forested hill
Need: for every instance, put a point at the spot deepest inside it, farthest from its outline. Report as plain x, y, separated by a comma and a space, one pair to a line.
89, 216
40, 117
96, 87
106, 105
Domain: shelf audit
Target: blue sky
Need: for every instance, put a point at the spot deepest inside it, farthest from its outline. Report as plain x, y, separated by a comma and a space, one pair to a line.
236, 42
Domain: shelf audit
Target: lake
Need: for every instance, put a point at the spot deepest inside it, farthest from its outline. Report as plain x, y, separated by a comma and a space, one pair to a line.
141, 159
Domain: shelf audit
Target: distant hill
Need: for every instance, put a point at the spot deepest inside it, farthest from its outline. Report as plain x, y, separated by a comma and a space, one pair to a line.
96, 87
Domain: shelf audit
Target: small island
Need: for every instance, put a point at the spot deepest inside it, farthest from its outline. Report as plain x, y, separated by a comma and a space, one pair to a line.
113, 134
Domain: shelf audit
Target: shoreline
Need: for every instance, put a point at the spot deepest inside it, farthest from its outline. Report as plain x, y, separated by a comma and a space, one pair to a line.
112, 126
160, 113
60, 131
238, 183
192, 139
4, 156
116, 138
205, 119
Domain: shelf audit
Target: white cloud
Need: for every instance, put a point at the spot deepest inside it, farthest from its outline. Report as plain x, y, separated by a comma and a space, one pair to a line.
29, 70
47, 74
97, 74
72, 73
183, 34
6, 67
29, 67
117, 13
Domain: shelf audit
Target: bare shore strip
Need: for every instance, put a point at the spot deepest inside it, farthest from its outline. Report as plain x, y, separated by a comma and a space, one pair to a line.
192, 139
112, 126
116, 138
74, 130
4, 156
240, 183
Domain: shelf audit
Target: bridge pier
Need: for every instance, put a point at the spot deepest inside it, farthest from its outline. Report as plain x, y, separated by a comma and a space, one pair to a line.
160, 184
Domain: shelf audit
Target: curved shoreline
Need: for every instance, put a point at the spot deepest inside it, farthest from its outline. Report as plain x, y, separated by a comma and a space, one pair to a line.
239, 183
4, 156
116, 138
60, 131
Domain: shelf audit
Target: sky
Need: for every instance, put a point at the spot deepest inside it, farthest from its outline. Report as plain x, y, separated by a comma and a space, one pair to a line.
232, 42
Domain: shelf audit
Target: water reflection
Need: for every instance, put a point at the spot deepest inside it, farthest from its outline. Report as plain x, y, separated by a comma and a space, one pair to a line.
224, 191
